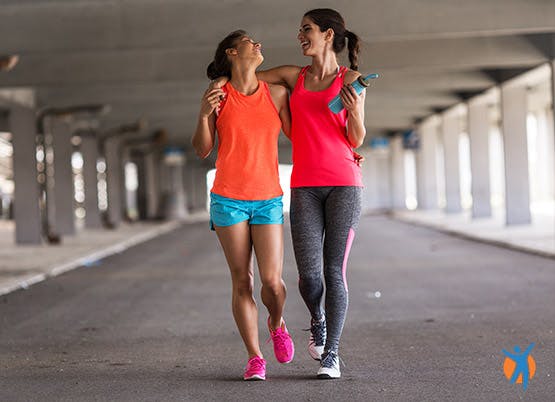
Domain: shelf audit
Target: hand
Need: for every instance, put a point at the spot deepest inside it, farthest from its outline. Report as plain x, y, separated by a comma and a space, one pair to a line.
218, 82
211, 101
350, 99
358, 158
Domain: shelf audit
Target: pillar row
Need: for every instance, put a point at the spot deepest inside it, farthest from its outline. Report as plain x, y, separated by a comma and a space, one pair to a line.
152, 184
517, 181
478, 133
450, 132
89, 149
113, 180
64, 222
426, 171
397, 173
27, 216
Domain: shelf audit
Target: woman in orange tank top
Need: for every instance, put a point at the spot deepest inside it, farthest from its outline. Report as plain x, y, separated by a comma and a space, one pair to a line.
245, 204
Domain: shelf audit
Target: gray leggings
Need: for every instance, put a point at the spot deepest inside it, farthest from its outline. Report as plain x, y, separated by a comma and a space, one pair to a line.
323, 221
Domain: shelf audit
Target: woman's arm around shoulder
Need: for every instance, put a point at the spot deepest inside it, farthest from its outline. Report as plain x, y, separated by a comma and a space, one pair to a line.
203, 139
280, 96
282, 75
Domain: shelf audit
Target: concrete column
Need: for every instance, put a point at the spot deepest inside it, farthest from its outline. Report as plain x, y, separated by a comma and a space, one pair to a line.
478, 133
450, 131
113, 180
376, 194
550, 153
141, 194
552, 65
64, 223
26, 192
545, 162
124, 158
517, 181
175, 202
89, 149
152, 184
197, 195
426, 171
397, 168
551, 124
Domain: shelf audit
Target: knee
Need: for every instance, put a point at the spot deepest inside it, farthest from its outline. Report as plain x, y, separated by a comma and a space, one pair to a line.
312, 279
243, 287
273, 285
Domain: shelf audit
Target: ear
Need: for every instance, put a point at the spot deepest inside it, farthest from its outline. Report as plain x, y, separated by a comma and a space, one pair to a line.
329, 35
231, 51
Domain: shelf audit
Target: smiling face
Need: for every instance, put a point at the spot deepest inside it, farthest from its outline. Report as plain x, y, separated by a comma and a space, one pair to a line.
311, 39
246, 49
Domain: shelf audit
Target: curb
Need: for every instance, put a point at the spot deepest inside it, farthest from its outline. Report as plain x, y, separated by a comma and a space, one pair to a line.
92, 257
479, 239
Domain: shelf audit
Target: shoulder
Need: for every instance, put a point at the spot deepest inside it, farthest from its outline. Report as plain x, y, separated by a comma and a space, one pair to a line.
278, 93
351, 75
290, 70
277, 90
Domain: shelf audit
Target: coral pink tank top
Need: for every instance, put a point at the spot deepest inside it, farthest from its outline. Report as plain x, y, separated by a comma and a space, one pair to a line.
248, 129
322, 155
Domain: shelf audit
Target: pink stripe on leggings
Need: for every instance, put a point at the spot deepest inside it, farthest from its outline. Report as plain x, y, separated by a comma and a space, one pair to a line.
350, 239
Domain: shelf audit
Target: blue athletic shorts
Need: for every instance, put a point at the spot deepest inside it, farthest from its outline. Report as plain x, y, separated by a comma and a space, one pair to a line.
228, 211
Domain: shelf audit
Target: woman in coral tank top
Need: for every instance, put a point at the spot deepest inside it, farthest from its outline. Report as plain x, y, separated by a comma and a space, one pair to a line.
246, 210
326, 183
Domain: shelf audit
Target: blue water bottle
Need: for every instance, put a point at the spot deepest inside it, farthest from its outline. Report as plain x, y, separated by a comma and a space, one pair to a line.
359, 84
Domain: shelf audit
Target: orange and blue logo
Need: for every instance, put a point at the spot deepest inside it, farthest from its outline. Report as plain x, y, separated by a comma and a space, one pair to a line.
519, 367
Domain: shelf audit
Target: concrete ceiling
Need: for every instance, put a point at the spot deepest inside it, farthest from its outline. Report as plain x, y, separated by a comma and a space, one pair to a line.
146, 58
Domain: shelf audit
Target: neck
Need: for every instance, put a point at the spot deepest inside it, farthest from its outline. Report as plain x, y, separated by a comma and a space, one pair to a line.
243, 79
324, 64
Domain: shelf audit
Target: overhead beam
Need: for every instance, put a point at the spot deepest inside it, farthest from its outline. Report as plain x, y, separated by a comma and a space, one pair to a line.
162, 65
61, 26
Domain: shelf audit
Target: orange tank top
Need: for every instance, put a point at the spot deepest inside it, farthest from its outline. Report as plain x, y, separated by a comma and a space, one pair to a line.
248, 128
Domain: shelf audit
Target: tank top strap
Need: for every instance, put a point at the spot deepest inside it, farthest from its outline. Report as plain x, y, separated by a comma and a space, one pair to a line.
342, 71
303, 71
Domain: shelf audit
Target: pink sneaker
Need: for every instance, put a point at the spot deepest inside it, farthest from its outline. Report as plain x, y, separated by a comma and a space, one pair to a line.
255, 370
283, 344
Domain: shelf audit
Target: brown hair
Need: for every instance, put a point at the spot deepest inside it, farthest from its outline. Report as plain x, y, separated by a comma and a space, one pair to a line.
221, 66
327, 18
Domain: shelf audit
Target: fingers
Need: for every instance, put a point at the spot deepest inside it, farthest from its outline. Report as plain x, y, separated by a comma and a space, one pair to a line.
216, 93
348, 96
211, 100
214, 96
218, 83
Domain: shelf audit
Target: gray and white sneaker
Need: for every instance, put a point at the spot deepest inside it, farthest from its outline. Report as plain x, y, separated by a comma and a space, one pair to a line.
329, 366
317, 338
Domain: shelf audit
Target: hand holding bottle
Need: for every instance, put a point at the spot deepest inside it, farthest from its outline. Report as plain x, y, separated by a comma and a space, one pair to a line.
336, 105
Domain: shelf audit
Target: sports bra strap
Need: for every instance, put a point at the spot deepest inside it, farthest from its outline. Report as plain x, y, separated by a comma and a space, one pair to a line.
342, 71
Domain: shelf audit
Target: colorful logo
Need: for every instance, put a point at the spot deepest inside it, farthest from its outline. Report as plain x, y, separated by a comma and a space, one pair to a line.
519, 367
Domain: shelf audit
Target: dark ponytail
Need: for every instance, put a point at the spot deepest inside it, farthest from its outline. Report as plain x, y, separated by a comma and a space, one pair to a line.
220, 66
353, 45
326, 18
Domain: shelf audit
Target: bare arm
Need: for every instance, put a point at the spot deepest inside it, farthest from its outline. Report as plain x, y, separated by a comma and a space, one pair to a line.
281, 101
282, 75
203, 139
356, 131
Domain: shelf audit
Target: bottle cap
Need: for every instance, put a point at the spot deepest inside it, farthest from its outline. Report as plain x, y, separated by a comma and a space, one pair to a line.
365, 82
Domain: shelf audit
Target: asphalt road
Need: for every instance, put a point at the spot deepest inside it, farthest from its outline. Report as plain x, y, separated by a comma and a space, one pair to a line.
154, 324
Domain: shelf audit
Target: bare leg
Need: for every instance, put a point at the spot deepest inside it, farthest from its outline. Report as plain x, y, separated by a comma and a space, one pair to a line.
268, 246
236, 242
